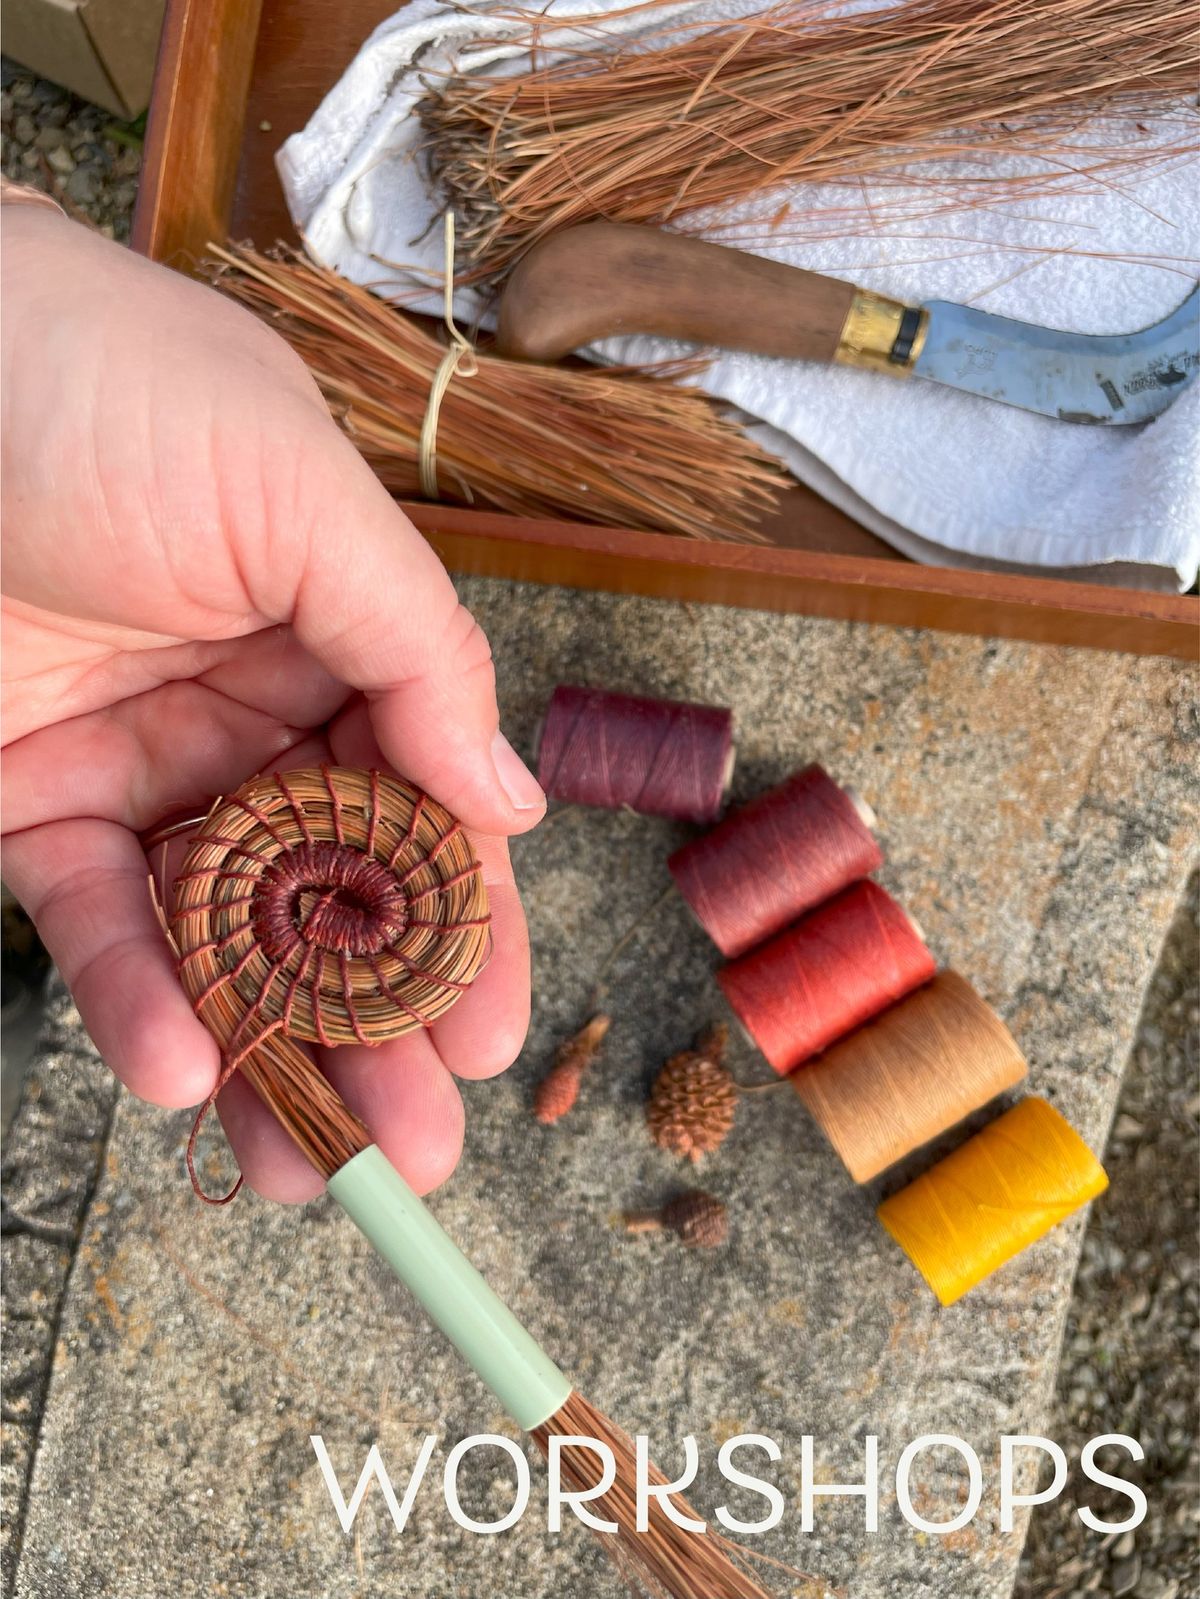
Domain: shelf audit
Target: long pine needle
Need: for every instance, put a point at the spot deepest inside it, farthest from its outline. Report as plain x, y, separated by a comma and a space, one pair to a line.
694, 116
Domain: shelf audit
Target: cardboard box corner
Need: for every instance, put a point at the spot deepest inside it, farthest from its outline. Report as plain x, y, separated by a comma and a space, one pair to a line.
102, 50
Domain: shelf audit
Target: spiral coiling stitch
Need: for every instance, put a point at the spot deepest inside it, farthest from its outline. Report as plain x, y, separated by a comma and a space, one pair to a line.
332, 906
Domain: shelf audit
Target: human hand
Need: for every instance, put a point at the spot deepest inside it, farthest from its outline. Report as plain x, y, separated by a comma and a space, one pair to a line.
201, 580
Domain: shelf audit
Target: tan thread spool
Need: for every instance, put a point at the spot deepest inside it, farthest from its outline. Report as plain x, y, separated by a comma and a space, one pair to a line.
907, 1076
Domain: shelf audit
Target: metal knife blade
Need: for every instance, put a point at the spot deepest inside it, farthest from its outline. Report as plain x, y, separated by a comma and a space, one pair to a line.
1076, 377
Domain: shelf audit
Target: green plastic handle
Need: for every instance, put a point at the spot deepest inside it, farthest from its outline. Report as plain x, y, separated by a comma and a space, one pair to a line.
475, 1319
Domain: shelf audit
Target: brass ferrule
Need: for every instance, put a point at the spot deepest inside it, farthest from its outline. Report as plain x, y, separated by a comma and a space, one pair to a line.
878, 334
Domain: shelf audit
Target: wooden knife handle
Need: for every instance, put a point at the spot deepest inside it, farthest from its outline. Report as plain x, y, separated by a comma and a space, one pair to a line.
602, 278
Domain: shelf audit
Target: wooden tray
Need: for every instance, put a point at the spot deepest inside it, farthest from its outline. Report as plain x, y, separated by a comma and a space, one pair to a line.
235, 77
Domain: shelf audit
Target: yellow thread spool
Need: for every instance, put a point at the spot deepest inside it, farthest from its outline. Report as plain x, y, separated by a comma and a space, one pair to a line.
992, 1197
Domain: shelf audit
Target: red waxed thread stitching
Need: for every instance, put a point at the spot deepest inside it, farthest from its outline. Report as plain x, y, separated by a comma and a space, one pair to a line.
410, 835
447, 882
297, 809
222, 978
336, 804
373, 822
252, 1044
348, 997
429, 977
439, 847
322, 902
260, 816
432, 856
227, 1071
215, 946
210, 948
254, 1009
395, 998
207, 873
318, 996
207, 910
294, 986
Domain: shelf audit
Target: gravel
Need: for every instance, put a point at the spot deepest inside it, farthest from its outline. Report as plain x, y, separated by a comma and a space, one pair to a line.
80, 154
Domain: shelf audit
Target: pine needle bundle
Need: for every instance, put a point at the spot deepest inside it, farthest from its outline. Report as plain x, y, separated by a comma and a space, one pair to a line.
692, 116
622, 447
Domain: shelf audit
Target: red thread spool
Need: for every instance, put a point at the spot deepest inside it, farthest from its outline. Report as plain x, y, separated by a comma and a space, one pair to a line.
837, 968
788, 850
660, 757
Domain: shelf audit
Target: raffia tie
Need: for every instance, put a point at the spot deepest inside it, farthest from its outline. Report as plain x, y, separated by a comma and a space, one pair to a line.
329, 905
458, 361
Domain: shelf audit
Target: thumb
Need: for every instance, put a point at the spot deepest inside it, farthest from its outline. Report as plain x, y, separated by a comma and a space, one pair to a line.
377, 608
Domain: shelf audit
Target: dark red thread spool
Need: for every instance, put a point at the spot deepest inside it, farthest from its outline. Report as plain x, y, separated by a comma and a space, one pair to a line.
788, 850
837, 968
660, 757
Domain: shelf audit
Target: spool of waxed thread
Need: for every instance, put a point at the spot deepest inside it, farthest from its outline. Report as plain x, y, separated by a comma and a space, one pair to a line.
902, 1079
835, 969
770, 861
660, 757
995, 1195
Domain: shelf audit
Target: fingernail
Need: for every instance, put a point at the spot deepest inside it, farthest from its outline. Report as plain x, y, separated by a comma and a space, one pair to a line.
517, 781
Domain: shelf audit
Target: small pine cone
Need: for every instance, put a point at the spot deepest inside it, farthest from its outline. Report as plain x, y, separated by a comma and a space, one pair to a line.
700, 1220
692, 1105
557, 1092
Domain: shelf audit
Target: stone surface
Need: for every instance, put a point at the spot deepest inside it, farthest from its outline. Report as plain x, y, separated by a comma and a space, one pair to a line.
1133, 1331
51, 1165
1037, 817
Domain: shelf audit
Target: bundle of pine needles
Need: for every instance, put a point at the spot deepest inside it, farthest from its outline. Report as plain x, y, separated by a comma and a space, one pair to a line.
693, 117
621, 447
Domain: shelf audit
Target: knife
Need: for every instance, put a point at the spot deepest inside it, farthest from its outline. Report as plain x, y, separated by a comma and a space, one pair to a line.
603, 278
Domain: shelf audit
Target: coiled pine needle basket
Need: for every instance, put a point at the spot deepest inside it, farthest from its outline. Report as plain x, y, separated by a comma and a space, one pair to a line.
338, 906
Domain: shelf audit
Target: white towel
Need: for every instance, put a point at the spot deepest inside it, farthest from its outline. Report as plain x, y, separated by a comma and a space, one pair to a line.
945, 477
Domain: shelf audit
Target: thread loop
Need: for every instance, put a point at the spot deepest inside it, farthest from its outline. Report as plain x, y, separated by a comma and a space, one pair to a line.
458, 361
